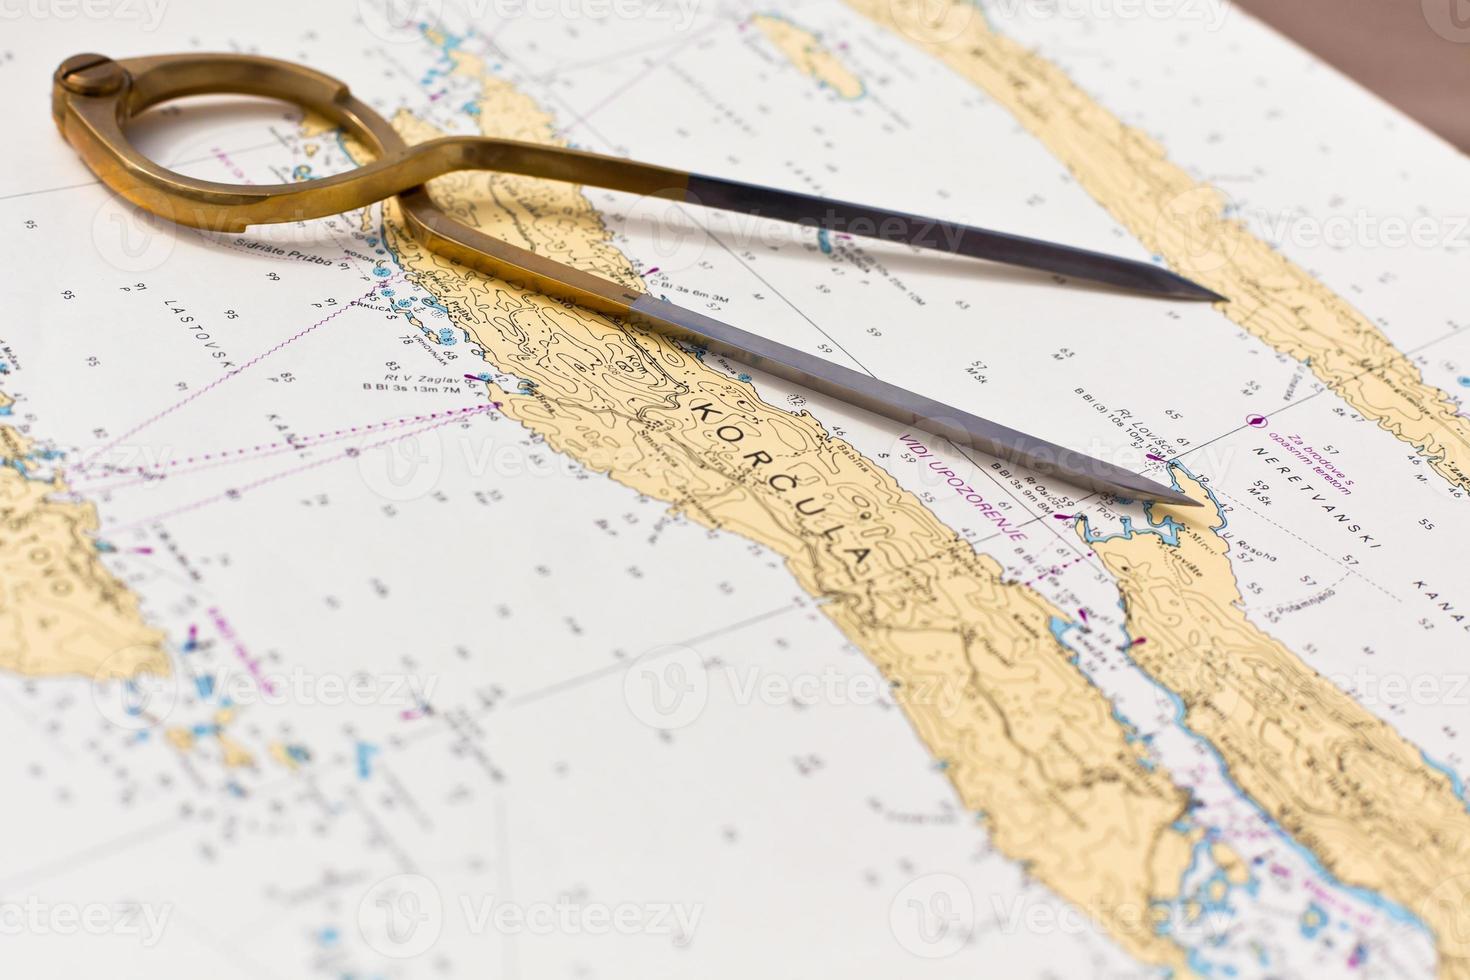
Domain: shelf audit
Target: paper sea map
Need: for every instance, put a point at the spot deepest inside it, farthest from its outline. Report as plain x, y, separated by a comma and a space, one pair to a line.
363, 616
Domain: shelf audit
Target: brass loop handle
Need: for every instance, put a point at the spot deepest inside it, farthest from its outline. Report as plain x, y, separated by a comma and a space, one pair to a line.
94, 98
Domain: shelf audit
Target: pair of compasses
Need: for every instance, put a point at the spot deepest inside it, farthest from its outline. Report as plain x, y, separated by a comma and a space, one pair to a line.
94, 98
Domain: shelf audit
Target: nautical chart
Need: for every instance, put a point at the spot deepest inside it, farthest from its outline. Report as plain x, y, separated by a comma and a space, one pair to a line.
362, 616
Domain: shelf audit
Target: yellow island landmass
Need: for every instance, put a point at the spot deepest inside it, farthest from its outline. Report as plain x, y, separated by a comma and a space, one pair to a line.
1027, 741
61, 610
809, 55
1331, 773
1184, 221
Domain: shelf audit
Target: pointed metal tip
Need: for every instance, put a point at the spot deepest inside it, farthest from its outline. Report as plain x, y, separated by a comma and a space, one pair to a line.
1174, 497
1173, 284
1193, 290
1140, 277
1139, 487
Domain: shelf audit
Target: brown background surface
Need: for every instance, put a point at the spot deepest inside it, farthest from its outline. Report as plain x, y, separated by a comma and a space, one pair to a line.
1414, 54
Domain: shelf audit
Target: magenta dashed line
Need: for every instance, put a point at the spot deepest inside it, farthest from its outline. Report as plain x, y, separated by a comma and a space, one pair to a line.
227, 633
89, 458
1056, 569
240, 491
227, 457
